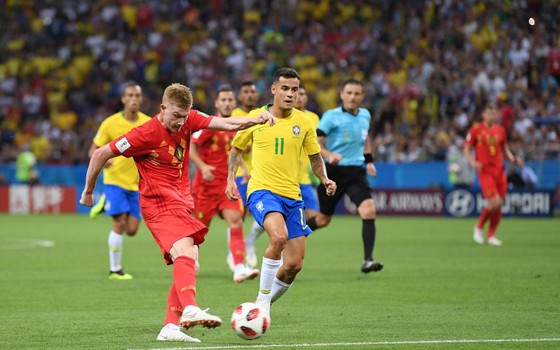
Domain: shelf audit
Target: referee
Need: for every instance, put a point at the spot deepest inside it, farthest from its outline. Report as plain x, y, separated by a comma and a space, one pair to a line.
344, 137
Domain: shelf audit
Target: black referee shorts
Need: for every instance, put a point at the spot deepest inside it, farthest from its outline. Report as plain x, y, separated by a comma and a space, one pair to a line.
349, 179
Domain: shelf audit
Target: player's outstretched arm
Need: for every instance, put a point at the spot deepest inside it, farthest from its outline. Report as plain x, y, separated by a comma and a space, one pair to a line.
318, 167
241, 123
98, 159
233, 164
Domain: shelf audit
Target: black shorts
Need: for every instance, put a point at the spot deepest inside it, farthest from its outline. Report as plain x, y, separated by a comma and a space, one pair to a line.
349, 179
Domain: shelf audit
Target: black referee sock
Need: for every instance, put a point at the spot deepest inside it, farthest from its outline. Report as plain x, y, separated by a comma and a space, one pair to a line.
368, 236
312, 223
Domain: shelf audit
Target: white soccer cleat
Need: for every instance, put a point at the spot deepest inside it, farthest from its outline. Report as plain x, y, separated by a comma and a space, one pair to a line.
494, 241
478, 235
172, 332
193, 315
245, 273
251, 257
230, 262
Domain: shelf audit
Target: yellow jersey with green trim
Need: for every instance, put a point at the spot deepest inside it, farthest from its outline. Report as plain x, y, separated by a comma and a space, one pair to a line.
247, 156
304, 161
122, 172
277, 151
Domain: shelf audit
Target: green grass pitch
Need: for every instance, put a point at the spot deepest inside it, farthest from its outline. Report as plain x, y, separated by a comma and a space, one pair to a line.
437, 286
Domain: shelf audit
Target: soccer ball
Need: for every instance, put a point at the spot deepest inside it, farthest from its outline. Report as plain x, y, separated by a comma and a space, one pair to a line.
250, 321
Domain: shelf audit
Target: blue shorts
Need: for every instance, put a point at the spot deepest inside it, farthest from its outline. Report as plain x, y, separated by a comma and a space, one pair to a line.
242, 188
119, 201
263, 202
309, 197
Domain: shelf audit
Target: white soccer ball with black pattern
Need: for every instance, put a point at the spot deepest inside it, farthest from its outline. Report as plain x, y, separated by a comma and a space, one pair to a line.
250, 321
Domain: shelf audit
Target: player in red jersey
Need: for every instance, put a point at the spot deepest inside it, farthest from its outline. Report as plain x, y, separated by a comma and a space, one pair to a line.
489, 141
210, 151
160, 148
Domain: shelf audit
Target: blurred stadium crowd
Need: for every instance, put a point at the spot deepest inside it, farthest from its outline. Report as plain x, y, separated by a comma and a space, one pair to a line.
428, 65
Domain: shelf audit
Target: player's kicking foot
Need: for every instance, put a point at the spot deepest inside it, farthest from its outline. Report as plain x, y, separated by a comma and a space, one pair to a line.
478, 235
193, 316
244, 273
251, 257
119, 275
172, 332
371, 266
494, 241
98, 208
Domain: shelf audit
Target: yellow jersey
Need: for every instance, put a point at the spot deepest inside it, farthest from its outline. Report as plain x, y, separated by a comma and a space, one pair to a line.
122, 172
247, 156
304, 161
277, 151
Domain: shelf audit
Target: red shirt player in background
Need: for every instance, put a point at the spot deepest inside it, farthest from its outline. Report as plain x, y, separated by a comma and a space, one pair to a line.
210, 152
489, 141
160, 148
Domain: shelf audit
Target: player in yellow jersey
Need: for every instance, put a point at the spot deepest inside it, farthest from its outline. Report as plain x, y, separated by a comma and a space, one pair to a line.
274, 196
307, 191
248, 97
120, 177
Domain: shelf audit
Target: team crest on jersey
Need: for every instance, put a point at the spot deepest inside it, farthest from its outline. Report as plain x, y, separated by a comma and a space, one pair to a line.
179, 153
296, 129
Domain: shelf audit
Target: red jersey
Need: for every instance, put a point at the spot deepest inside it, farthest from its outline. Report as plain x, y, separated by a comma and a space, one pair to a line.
160, 157
488, 143
213, 149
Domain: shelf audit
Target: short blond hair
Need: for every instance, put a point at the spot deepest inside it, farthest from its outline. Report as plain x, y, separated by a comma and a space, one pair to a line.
178, 95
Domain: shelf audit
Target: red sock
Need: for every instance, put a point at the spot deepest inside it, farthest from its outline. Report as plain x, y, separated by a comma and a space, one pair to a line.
237, 245
174, 309
184, 279
484, 216
494, 222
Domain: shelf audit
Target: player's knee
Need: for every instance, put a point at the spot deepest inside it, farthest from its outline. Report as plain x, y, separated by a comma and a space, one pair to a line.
131, 232
367, 210
278, 242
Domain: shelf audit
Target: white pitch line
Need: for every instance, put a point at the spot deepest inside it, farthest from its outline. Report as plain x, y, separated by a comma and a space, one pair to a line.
404, 342
26, 244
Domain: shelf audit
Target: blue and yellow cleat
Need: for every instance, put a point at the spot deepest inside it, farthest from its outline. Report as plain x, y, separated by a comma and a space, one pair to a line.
98, 208
119, 275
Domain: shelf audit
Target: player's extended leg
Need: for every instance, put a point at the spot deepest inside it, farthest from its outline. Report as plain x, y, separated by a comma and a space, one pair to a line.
275, 226
293, 255
234, 220
368, 212
183, 254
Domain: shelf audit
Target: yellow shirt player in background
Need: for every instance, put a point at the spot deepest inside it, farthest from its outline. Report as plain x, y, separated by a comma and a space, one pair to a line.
274, 196
248, 97
120, 178
305, 184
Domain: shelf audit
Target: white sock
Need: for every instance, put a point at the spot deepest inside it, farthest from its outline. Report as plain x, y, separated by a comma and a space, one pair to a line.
268, 274
115, 242
278, 289
256, 232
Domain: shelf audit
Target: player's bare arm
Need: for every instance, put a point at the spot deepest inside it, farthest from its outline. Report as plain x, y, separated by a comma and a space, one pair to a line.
205, 169
511, 157
333, 158
468, 154
233, 164
318, 167
240, 123
92, 149
370, 167
98, 159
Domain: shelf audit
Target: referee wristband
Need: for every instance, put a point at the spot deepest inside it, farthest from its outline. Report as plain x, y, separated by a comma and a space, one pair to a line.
368, 158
